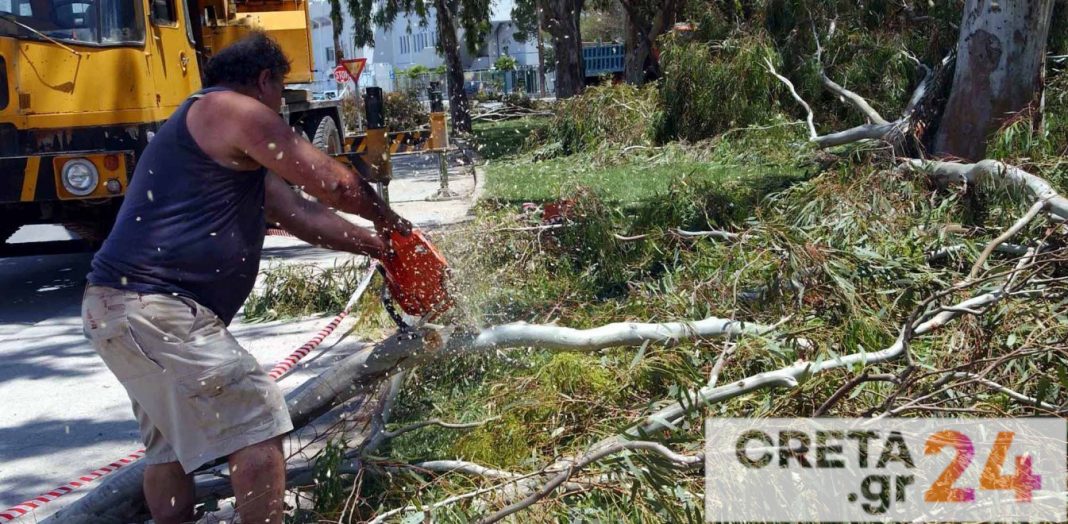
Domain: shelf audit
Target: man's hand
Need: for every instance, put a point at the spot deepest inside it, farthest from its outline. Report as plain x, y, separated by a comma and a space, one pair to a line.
389, 223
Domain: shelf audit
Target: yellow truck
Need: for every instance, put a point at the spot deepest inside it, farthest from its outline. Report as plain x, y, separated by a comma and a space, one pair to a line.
84, 85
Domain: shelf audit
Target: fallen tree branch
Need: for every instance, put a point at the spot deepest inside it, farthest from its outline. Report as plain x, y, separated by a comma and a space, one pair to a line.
810, 118
1039, 188
1036, 208
1011, 393
435, 422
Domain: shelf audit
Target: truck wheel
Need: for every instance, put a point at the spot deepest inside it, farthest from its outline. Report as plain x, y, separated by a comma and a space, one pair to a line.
327, 138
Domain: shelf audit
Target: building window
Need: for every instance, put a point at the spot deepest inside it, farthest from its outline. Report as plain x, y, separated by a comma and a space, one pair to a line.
330, 57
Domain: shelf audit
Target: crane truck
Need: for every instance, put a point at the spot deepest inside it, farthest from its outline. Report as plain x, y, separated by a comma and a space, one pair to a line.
85, 84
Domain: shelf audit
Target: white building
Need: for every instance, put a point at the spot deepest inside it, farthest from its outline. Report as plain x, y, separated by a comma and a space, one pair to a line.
407, 43
323, 47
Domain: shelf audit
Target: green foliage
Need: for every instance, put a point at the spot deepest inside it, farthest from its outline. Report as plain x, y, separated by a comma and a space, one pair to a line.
404, 112
294, 290
329, 487
605, 115
505, 63
415, 71
706, 91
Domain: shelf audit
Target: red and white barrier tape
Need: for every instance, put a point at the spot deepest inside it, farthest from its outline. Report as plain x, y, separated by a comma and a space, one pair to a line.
275, 232
36, 502
289, 362
278, 371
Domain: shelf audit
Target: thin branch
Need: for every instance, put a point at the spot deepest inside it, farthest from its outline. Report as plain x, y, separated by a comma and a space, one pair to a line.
849, 386
1036, 208
1013, 394
715, 233
434, 422
813, 135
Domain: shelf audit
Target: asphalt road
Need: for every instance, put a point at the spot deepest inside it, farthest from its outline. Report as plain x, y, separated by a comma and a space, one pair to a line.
64, 414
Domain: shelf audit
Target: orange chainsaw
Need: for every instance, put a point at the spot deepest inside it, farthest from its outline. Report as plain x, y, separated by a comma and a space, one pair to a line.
416, 278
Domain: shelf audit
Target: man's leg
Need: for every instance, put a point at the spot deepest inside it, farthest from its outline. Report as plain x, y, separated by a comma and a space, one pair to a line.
258, 475
169, 493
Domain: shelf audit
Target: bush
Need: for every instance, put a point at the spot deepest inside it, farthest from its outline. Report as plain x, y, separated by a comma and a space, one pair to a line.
606, 114
706, 91
351, 111
404, 112
505, 63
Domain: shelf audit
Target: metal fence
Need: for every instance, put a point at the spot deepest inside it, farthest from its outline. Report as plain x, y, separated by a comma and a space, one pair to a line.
603, 59
522, 80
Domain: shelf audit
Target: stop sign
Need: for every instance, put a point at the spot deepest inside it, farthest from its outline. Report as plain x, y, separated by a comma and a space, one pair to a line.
341, 74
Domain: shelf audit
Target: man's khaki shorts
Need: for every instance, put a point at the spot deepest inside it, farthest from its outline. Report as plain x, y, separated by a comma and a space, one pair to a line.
196, 393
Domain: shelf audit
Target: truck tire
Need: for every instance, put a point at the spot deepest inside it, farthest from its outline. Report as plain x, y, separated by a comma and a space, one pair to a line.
327, 138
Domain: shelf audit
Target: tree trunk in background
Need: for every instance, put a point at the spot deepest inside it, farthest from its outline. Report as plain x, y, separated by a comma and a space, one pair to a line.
562, 23
639, 52
541, 59
645, 22
336, 21
1000, 55
454, 68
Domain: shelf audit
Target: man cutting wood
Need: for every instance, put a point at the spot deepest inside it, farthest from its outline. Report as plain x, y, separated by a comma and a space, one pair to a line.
183, 257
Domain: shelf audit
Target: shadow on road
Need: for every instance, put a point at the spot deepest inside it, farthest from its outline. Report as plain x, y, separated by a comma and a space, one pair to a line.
37, 288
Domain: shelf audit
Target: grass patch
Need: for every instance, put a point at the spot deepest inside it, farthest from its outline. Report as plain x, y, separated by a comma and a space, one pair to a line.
507, 138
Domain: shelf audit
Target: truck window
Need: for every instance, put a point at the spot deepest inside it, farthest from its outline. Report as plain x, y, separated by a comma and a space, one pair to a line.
102, 22
164, 12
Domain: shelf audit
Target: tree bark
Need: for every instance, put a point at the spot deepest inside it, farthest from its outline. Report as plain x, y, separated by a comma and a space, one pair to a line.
541, 58
645, 23
562, 23
639, 51
336, 20
1000, 54
454, 69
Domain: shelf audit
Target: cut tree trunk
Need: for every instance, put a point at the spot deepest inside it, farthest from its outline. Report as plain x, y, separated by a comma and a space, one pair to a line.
449, 45
1000, 54
562, 23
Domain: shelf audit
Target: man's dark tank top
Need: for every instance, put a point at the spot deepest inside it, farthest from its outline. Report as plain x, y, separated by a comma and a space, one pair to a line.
188, 226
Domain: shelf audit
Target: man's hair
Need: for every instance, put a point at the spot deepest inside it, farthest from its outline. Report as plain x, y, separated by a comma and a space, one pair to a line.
240, 63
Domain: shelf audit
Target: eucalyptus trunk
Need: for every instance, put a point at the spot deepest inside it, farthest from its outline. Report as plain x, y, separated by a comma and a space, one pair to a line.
449, 45
1000, 56
562, 23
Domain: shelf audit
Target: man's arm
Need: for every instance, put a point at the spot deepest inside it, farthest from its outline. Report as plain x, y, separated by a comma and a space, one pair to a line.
258, 133
316, 224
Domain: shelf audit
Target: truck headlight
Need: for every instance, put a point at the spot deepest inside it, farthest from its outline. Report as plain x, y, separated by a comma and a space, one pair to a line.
80, 177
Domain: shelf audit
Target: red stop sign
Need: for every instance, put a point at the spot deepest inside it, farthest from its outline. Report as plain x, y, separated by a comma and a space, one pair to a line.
341, 74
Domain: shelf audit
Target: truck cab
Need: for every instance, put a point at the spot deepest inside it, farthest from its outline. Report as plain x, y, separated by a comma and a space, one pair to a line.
84, 85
